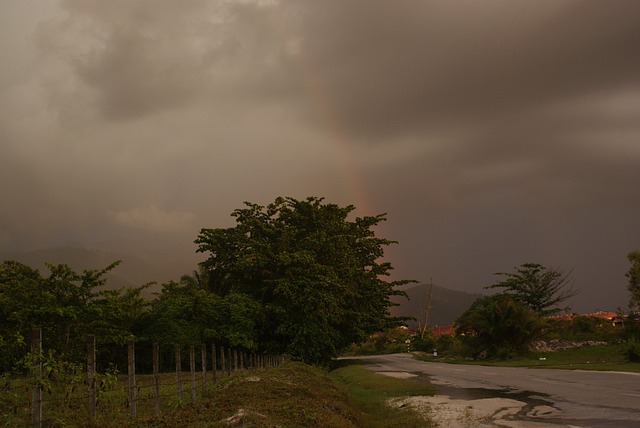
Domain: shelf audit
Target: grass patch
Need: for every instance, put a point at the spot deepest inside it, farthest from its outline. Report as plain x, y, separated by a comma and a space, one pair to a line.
601, 357
370, 391
292, 395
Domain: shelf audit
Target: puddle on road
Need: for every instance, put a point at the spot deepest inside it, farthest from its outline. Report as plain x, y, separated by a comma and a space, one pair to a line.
537, 407
529, 397
539, 410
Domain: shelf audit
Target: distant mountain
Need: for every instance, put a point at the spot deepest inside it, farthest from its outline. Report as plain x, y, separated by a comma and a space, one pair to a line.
446, 305
132, 272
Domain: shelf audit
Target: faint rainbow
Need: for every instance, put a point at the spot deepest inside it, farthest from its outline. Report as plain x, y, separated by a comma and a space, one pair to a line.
325, 106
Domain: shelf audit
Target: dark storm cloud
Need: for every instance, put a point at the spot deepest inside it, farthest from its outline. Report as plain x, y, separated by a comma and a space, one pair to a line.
400, 67
493, 133
138, 58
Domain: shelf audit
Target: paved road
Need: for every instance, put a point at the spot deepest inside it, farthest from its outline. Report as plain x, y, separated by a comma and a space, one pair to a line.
578, 397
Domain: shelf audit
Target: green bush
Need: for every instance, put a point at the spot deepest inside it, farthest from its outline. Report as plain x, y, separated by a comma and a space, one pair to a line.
423, 344
633, 351
495, 323
389, 342
632, 327
581, 328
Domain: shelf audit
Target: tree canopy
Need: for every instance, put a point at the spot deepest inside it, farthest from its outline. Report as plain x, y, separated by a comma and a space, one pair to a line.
539, 288
66, 305
316, 274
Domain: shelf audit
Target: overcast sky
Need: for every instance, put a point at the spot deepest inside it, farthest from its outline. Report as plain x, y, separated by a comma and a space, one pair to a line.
493, 133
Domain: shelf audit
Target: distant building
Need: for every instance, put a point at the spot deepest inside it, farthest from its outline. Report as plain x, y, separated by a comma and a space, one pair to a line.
441, 330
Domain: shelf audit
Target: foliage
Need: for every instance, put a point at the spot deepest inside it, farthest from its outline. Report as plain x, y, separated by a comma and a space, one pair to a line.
67, 305
389, 342
499, 325
50, 371
191, 314
633, 351
634, 280
185, 310
448, 345
424, 343
632, 327
611, 357
580, 328
118, 314
315, 274
444, 344
539, 288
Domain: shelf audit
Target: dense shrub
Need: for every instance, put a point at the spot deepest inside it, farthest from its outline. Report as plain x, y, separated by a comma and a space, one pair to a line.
581, 328
633, 351
498, 326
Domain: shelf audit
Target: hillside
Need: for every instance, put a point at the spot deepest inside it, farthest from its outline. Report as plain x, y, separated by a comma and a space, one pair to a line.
446, 305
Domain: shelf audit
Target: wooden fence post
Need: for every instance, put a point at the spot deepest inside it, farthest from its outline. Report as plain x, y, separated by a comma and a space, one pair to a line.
132, 378
178, 371
192, 369
91, 374
214, 362
203, 361
36, 390
222, 360
156, 385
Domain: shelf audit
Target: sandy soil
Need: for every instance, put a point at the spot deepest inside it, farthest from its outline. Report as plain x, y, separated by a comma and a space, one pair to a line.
485, 412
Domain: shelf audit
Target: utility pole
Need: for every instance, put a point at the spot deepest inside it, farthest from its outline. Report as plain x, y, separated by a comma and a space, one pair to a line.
423, 329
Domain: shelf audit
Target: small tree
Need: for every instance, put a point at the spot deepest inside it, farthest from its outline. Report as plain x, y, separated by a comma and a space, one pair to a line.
66, 304
634, 280
499, 325
539, 288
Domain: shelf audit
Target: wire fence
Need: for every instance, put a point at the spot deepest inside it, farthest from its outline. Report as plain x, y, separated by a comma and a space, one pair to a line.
51, 390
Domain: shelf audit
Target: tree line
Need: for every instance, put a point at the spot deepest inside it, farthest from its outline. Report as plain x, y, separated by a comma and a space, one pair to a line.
297, 277
504, 324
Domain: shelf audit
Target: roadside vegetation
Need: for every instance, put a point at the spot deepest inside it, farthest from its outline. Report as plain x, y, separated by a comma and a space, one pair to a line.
600, 357
568, 342
301, 278
293, 394
522, 325
298, 277
370, 392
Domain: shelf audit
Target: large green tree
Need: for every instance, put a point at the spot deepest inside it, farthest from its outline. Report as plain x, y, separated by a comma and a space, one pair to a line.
634, 280
316, 273
538, 287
